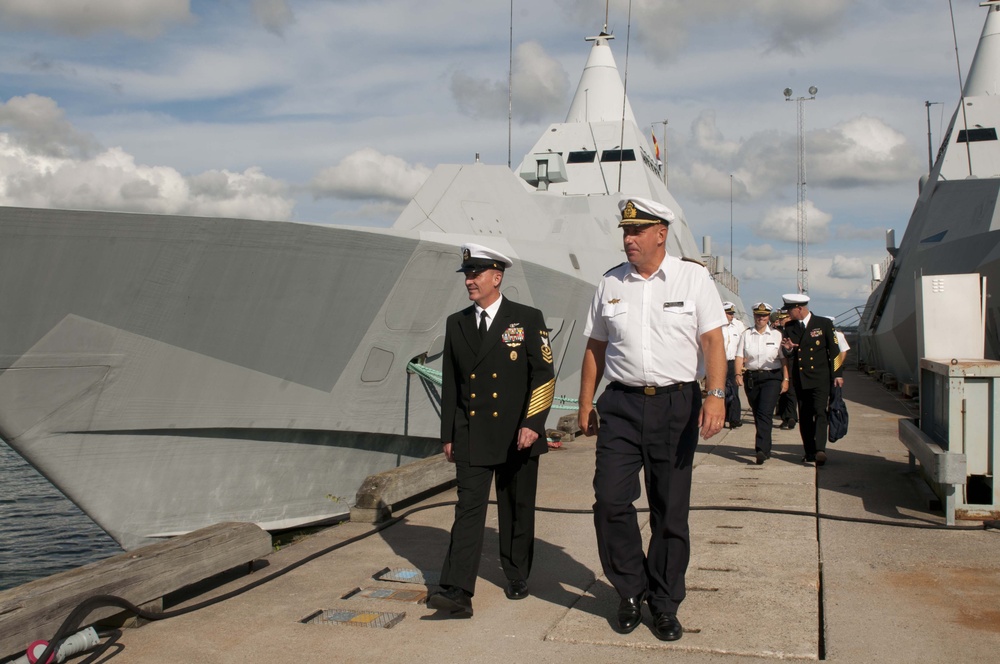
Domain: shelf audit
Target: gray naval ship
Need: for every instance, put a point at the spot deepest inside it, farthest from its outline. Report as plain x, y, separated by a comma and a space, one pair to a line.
954, 225
169, 372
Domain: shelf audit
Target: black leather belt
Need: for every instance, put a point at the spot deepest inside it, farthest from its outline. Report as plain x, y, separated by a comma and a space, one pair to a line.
648, 390
764, 371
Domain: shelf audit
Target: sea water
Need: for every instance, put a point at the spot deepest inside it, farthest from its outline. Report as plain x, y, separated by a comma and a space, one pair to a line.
41, 531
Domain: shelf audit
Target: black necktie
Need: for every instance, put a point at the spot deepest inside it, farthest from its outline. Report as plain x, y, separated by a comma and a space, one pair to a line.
482, 324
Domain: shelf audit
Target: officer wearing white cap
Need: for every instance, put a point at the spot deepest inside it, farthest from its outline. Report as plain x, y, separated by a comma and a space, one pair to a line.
810, 346
497, 387
731, 333
650, 320
763, 372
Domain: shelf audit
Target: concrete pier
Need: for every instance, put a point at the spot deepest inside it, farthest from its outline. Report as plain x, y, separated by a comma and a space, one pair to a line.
774, 584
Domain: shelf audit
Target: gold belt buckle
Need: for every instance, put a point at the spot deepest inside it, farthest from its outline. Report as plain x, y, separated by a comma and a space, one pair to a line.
649, 391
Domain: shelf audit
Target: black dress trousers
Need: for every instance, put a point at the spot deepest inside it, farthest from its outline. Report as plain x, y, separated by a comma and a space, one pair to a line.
656, 435
516, 483
763, 389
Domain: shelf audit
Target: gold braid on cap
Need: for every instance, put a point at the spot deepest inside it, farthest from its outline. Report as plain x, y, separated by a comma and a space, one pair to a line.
541, 398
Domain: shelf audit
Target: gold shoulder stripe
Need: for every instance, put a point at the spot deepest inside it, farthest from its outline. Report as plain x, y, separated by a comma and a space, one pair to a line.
541, 398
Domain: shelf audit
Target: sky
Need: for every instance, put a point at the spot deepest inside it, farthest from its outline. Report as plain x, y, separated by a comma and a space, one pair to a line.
335, 111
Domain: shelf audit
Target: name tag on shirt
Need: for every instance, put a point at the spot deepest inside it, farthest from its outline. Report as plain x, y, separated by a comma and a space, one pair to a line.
672, 305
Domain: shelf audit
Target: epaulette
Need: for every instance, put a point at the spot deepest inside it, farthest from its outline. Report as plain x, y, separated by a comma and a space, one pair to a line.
691, 260
614, 268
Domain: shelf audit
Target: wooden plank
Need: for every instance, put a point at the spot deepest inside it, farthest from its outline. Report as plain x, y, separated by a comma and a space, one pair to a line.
35, 610
380, 492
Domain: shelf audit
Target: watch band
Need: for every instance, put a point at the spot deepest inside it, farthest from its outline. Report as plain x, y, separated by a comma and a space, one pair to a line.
717, 393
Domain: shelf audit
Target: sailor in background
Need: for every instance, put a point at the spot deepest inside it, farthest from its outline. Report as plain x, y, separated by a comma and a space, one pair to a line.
787, 410
762, 371
651, 321
497, 388
731, 332
810, 346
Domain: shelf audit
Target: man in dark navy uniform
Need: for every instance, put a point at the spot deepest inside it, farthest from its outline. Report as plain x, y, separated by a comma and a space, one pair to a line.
810, 345
498, 384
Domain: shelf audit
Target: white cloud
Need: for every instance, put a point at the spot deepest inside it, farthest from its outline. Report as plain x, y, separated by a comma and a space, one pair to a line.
539, 88
760, 252
46, 162
81, 18
41, 127
781, 223
113, 181
369, 174
844, 267
274, 15
662, 26
863, 151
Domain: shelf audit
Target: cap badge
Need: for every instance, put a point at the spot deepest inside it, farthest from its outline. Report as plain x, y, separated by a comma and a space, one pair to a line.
466, 255
629, 211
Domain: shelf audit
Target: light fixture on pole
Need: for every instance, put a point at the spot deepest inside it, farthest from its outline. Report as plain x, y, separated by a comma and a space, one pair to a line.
802, 276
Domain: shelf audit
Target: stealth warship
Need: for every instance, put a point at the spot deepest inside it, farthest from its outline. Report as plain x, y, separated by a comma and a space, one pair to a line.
169, 372
954, 225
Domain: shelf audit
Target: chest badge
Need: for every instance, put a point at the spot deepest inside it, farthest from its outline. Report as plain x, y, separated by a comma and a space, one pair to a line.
513, 355
513, 336
614, 300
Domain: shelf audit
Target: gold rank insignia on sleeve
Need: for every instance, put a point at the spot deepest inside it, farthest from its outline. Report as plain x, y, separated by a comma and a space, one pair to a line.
541, 398
546, 348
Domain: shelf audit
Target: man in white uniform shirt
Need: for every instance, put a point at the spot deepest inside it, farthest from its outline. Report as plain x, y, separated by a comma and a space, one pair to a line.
652, 321
731, 333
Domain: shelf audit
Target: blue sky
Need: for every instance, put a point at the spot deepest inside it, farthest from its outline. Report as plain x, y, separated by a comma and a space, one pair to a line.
335, 111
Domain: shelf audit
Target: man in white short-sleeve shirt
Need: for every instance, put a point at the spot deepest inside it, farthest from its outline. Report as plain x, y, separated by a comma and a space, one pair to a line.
655, 326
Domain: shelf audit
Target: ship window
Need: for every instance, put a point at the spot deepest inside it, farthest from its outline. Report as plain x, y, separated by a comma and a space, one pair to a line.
978, 134
582, 157
618, 155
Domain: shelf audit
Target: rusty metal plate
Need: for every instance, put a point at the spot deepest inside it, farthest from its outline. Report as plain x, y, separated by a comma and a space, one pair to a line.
353, 618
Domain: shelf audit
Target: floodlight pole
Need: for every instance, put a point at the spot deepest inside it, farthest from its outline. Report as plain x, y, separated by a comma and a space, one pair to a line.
802, 222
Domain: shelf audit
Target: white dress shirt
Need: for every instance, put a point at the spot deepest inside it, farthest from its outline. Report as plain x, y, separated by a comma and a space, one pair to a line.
653, 326
491, 312
760, 350
731, 334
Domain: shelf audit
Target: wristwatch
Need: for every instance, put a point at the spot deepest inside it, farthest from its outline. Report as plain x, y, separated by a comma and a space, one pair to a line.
716, 393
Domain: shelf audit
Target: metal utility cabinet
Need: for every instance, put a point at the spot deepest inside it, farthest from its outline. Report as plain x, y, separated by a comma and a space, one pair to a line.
956, 439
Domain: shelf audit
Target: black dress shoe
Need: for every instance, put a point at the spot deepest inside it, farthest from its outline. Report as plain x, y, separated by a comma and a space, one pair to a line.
454, 600
820, 458
761, 458
516, 589
791, 425
808, 459
785, 425
666, 627
629, 613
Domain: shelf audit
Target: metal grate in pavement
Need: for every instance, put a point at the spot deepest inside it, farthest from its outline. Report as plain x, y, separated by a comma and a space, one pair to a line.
354, 618
405, 575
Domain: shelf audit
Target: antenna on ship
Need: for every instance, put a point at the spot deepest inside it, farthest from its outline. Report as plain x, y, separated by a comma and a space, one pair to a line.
621, 140
510, 83
930, 156
961, 85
